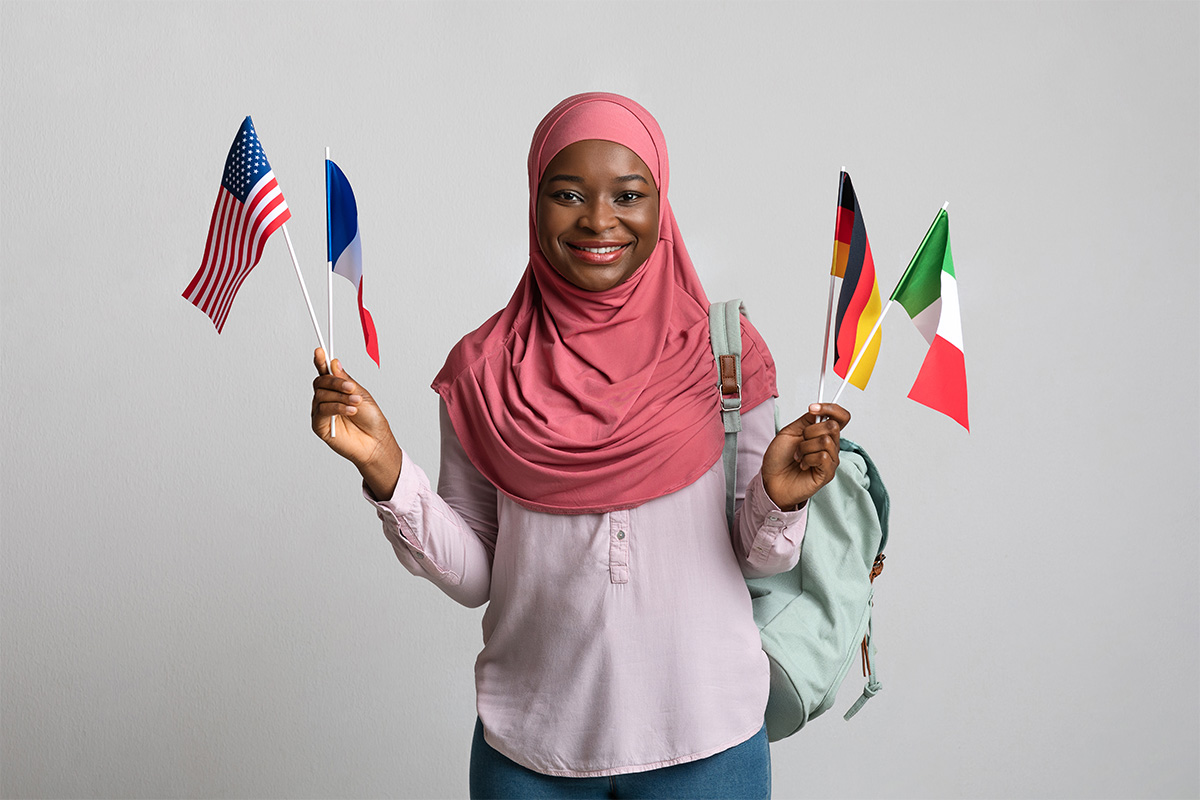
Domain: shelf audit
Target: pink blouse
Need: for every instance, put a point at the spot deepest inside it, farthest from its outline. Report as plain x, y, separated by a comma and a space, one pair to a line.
615, 642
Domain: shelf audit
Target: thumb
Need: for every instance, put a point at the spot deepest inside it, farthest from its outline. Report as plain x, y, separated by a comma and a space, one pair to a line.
338, 372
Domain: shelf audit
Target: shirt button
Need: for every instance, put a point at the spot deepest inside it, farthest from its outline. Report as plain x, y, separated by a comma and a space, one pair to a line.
418, 554
620, 534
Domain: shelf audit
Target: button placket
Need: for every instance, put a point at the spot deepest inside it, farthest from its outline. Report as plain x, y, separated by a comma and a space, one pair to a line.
618, 546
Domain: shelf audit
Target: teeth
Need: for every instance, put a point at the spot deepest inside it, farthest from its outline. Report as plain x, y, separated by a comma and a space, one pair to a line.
601, 250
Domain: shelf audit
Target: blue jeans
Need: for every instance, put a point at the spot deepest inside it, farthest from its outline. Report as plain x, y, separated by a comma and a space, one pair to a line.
740, 772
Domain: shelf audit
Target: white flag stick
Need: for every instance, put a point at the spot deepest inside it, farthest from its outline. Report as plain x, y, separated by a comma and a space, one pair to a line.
329, 293
825, 348
863, 350
311, 314
829, 306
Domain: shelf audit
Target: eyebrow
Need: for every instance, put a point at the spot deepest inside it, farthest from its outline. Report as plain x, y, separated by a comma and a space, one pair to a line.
577, 179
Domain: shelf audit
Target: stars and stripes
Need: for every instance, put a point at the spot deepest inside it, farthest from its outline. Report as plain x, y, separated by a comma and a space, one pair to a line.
249, 208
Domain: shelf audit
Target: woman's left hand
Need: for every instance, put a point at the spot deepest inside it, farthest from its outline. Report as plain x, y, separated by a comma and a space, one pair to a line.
804, 455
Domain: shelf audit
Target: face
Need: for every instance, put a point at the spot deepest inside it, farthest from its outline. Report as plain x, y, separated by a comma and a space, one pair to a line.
597, 214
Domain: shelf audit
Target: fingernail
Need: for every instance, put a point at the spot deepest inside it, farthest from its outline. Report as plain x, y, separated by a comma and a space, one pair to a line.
347, 386
355, 398
815, 408
351, 411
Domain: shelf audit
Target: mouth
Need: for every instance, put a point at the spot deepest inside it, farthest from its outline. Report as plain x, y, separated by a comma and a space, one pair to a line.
598, 252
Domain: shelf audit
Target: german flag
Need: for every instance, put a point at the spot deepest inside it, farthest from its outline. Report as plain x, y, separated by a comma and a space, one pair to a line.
858, 302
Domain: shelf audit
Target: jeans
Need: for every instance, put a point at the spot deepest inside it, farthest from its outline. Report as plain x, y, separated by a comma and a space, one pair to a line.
740, 772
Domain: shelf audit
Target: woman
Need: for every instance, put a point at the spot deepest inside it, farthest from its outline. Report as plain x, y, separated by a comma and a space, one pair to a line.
581, 492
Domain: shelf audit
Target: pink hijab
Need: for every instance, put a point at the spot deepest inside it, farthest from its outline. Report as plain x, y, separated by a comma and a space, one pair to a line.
576, 402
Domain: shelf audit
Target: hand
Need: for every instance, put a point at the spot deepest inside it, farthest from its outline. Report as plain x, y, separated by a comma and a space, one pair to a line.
364, 436
804, 455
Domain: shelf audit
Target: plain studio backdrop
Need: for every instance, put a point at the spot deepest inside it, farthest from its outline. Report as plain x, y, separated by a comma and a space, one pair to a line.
197, 602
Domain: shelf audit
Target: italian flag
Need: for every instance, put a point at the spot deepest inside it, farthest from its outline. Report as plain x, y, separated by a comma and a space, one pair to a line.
929, 293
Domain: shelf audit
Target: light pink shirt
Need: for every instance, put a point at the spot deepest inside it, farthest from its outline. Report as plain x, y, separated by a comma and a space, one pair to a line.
615, 642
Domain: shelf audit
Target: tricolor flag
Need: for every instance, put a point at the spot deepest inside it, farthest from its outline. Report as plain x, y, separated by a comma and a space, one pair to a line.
345, 246
928, 291
858, 302
250, 207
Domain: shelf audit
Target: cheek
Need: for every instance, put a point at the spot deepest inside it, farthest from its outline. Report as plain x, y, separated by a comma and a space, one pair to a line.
647, 232
545, 225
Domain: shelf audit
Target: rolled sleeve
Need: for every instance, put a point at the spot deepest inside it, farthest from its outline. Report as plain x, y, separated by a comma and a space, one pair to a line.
431, 540
772, 536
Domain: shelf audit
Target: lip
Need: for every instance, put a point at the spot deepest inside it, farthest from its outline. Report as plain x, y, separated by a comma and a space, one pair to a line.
588, 257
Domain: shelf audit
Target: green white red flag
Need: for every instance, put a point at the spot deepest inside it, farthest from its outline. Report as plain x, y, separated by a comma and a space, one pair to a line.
929, 293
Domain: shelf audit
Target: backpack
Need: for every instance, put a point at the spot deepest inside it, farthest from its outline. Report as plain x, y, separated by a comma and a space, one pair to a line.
816, 618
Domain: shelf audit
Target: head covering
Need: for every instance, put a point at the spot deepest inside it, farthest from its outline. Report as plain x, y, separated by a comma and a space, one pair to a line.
572, 401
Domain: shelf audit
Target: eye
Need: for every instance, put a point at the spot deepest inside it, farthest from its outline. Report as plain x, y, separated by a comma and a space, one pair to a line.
566, 196
629, 197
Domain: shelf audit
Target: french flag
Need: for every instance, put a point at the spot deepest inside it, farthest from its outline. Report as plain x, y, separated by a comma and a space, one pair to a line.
345, 246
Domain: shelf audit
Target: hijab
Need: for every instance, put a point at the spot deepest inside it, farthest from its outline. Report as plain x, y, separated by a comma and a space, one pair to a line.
572, 401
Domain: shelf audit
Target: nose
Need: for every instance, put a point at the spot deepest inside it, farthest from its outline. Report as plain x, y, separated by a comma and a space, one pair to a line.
598, 216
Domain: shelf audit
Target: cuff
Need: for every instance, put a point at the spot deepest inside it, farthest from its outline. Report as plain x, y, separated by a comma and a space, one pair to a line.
777, 533
402, 515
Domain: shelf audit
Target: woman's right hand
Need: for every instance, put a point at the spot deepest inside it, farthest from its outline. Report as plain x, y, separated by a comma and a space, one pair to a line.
363, 434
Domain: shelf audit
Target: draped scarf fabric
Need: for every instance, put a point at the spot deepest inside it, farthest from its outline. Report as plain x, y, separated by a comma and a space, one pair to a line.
572, 401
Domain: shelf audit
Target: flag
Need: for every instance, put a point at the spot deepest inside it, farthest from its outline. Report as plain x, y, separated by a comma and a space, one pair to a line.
345, 245
928, 290
858, 302
250, 207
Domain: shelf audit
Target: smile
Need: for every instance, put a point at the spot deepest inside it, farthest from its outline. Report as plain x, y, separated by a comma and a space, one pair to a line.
599, 250
598, 254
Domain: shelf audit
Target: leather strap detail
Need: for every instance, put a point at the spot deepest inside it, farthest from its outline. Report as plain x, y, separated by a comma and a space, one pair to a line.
729, 381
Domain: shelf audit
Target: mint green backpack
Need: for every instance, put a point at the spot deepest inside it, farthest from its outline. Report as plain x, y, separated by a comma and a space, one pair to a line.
815, 619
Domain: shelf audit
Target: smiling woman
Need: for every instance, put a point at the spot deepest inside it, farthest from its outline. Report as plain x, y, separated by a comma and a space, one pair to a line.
597, 214
582, 496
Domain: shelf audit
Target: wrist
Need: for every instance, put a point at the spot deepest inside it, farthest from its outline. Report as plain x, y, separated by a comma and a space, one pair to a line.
794, 505
381, 472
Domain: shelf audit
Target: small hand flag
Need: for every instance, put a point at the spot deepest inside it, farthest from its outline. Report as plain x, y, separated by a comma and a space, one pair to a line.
345, 246
858, 302
929, 293
250, 207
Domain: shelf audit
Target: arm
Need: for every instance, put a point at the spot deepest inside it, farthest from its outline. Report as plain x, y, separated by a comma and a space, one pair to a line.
766, 539
795, 464
430, 538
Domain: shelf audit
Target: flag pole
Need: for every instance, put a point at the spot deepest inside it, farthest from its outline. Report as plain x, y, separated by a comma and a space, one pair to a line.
829, 306
829, 303
329, 289
311, 314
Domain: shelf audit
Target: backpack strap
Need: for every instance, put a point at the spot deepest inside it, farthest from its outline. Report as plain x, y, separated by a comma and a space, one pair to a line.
882, 503
873, 685
725, 332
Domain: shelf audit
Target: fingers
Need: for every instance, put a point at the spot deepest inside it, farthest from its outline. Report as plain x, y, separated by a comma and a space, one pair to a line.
319, 361
333, 394
339, 381
330, 403
830, 410
815, 453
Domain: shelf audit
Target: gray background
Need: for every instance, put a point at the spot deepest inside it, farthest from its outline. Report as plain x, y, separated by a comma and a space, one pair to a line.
197, 602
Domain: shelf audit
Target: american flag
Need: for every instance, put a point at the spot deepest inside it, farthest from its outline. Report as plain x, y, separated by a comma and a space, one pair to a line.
250, 207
